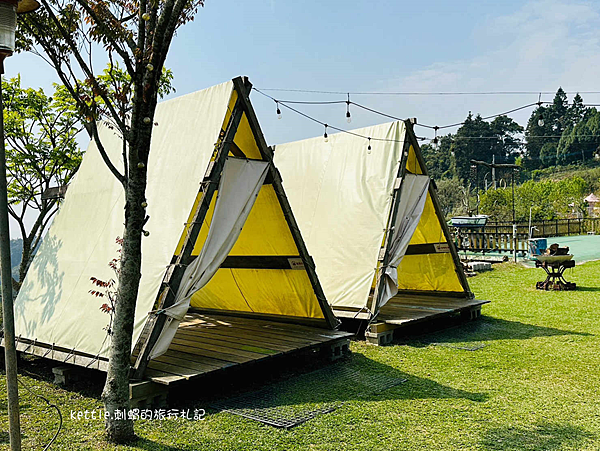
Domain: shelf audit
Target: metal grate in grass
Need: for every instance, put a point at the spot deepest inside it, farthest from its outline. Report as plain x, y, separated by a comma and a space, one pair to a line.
302, 398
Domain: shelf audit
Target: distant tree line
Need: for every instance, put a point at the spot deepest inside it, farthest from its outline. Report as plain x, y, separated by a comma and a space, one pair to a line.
557, 135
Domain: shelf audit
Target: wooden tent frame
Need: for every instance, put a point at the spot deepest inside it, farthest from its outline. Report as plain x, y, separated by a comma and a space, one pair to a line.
172, 279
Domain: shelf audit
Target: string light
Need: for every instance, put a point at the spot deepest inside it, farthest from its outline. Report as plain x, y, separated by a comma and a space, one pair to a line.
434, 140
369, 147
278, 110
348, 117
541, 120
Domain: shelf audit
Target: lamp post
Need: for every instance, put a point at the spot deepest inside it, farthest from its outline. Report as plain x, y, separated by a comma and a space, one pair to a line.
8, 23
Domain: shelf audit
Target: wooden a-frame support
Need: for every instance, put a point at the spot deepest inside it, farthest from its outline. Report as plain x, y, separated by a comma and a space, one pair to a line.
209, 185
410, 139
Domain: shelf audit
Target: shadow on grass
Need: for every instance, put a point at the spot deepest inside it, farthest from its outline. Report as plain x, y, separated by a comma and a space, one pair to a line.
593, 289
88, 382
145, 444
542, 436
295, 386
486, 329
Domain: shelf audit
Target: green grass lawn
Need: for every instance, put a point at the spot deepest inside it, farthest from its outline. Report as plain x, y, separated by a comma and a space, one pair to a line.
534, 385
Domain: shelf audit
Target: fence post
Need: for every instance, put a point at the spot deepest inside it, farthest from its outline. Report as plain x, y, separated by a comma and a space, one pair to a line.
543, 228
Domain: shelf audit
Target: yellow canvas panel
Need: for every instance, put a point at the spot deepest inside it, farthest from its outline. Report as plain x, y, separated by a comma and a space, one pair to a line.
268, 291
245, 140
266, 231
412, 163
431, 272
221, 293
205, 226
429, 229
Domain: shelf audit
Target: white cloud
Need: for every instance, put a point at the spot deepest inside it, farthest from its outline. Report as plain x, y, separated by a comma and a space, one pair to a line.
539, 47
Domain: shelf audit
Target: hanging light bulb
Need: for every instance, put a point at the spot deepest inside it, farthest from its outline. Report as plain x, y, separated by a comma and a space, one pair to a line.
348, 116
278, 111
325, 137
541, 120
369, 146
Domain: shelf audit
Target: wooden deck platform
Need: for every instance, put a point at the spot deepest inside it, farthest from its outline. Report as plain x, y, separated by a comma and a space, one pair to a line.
206, 343
404, 310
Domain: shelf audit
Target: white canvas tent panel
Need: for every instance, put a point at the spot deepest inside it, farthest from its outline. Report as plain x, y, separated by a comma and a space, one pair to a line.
346, 201
54, 304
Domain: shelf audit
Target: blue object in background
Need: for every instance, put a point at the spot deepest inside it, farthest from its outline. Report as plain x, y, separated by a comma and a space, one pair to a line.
538, 245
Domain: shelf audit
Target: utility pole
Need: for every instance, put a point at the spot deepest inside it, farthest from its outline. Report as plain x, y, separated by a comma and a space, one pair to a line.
8, 18
493, 171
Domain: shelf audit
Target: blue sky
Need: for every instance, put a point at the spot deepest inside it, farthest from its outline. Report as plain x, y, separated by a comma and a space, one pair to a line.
425, 46
382, 46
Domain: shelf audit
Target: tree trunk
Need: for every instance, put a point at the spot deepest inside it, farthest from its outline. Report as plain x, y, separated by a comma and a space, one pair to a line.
115, 395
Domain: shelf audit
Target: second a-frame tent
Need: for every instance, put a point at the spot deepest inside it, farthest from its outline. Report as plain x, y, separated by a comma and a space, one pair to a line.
221, 239
371, 219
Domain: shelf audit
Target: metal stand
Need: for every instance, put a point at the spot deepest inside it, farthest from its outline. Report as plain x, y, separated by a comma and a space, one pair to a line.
554, 276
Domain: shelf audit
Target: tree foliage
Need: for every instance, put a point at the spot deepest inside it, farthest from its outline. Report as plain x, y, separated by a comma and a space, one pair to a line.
547, 200
562, 133
41, 152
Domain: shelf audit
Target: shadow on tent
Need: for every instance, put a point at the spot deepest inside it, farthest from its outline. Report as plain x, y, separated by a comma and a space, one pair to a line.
489, 329
45, 266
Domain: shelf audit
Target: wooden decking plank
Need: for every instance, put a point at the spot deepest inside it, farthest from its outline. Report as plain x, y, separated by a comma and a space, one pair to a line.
171, 368
189, 364
406, 313
448, 302
218, 347
234, 334
270, 334
232, 319
240, 340
208, 361
163, 378
208, 353
228, 346
308, 336
453, 304
294, 330
216, 343
248, 337
410, 310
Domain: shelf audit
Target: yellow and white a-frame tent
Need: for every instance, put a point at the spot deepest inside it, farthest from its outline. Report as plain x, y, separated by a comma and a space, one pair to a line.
369, 214
222, 237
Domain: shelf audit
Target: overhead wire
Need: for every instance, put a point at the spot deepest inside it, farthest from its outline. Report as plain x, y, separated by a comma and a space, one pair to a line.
326, 125
286, 103
422, 93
